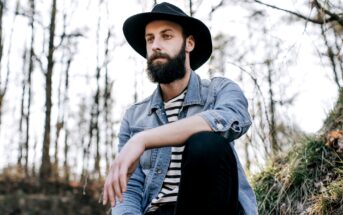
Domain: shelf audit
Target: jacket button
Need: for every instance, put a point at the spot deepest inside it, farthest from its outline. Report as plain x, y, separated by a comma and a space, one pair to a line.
159, 171
220, 126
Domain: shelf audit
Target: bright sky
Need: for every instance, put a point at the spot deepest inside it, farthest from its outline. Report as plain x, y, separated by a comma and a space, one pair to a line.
309, 77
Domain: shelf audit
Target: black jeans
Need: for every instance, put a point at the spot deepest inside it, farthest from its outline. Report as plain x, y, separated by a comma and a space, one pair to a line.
209, 181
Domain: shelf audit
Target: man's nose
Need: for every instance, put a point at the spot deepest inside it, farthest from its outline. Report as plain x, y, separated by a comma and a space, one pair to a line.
156, 45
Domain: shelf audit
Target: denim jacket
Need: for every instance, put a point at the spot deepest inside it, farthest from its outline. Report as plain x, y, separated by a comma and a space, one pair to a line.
220, 102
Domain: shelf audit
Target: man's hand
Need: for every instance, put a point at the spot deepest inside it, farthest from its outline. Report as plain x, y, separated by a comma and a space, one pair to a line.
121, 170
172, 134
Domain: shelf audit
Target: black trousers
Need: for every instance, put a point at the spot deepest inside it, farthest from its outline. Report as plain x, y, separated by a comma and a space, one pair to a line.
209, 181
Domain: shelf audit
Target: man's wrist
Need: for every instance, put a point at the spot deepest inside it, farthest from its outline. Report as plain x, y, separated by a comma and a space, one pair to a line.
141, 138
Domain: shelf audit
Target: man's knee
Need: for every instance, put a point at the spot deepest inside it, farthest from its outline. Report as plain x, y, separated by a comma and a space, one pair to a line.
205, 146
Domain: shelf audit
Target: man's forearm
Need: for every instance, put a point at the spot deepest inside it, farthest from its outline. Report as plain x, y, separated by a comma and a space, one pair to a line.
174, 133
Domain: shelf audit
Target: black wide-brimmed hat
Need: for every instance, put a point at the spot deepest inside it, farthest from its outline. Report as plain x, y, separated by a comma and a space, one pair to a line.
134, 31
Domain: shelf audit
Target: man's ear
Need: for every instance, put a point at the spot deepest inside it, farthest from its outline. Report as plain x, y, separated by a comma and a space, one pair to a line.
190, 43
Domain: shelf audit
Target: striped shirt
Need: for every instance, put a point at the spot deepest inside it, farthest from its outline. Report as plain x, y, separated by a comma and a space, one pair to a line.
170, 186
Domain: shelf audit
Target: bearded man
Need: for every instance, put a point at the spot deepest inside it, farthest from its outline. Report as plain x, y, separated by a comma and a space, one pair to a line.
176, 147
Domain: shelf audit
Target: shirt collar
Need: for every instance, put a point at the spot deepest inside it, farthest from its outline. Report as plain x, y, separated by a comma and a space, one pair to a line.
193, 95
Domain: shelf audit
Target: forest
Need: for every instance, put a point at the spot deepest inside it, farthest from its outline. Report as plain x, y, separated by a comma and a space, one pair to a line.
67, 75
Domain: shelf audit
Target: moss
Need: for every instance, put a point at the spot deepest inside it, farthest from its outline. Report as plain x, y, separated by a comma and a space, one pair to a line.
308, 179
267, 189
295, 183
330, 201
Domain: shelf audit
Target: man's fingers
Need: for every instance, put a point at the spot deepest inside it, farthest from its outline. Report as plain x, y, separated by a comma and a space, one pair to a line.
116, 185
116, 182
112, 196
104, 195
111, 189
123, 179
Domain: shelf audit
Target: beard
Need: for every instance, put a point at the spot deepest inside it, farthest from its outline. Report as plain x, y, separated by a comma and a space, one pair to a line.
173, 69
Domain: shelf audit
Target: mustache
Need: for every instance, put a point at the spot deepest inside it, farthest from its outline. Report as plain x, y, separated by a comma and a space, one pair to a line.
158, 55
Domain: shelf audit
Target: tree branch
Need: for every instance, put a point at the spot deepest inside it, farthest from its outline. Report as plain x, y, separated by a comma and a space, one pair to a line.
320, 22
333, 16
214, 8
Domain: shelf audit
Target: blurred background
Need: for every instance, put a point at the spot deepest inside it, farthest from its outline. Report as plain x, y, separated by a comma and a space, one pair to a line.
67, 75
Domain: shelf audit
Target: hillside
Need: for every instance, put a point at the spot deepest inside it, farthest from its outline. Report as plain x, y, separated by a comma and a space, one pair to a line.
306, 180
20, 195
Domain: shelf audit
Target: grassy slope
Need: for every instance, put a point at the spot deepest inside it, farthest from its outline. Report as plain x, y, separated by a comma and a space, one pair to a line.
307, 180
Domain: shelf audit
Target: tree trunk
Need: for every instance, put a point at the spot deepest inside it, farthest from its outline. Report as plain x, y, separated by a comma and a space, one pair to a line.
96, 125
59, 126
22, 112
45, 170
331, 55
247, 154
66, 150
190, 7
2, 94
33, 173
3, 89
272, 125
65, 107
108, 105
95, 112
2, 4
31, 68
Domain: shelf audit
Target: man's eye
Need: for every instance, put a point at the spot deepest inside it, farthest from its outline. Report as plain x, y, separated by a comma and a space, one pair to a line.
167, 36
149, 40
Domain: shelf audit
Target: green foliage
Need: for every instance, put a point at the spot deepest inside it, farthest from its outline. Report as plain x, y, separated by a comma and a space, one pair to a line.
331, 201
297, 182
307, 180
267, 188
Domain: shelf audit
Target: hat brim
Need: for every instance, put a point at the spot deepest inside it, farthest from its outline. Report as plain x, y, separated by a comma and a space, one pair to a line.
134, 32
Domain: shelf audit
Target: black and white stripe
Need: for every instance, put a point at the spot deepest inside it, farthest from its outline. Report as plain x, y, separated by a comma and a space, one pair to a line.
170, 186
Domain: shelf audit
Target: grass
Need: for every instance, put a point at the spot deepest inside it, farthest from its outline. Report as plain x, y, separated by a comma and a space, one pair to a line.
306, 180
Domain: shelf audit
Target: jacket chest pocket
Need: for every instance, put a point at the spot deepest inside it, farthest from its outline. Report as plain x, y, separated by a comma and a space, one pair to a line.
146, 158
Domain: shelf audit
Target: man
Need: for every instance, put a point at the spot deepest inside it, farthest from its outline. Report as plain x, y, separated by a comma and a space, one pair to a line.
176, 147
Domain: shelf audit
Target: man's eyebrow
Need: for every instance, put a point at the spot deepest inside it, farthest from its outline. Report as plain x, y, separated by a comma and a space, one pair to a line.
165, 30
161, 32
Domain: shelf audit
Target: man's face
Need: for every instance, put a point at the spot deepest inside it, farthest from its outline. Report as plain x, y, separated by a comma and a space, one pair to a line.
166, 55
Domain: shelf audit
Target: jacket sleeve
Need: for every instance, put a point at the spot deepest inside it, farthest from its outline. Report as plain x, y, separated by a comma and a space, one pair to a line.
229, 113
132, 203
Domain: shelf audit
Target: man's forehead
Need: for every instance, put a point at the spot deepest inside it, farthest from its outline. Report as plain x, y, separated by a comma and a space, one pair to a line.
161, 25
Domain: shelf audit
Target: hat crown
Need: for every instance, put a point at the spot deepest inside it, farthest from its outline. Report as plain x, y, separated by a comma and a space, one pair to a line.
168, 9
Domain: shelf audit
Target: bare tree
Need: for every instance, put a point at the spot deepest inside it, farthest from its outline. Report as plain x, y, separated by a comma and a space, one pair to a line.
330, 20
2, 91
108, 103
95, 112
218, 58
3, 87
82, 127
2, 5
272, 112
22, 112
45, 169
29, 96
329, 16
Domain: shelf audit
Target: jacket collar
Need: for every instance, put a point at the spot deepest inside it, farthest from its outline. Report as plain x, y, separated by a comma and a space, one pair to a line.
193, 95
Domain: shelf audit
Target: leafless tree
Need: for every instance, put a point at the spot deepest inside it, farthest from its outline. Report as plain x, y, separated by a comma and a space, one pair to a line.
45, 169
22, 112
108, 102
29, 81
329, 18
2, 90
